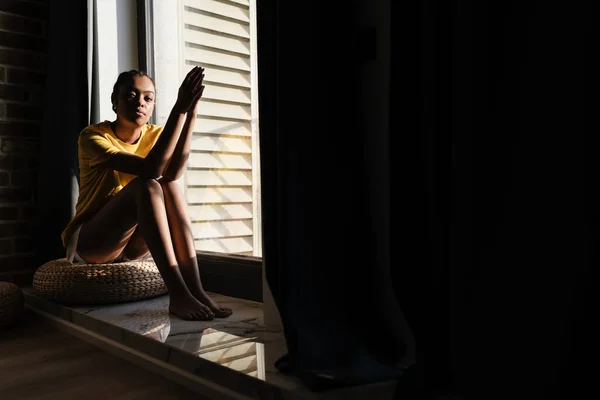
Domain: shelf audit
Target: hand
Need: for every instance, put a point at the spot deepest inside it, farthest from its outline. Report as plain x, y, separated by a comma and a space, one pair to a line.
194, 108
190, 90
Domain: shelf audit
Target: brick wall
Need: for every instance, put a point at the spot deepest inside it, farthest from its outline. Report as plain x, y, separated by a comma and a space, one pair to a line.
23, 29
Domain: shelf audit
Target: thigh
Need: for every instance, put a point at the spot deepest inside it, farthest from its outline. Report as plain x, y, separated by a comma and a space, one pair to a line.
106, 234
136, 246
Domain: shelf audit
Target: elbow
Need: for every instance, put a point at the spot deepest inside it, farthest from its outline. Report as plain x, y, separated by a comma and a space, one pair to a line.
150, 176
152, 173
175, 170
153, 176
155, 173
152, 170
170, 177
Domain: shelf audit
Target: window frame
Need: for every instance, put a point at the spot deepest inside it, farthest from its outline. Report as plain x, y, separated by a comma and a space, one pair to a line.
145, 35
239, 276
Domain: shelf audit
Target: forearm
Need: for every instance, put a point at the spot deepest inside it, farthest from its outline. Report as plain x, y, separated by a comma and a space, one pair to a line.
178, 161
163, 150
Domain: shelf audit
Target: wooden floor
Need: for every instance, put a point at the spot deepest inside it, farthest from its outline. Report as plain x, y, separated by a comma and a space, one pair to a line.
39, 362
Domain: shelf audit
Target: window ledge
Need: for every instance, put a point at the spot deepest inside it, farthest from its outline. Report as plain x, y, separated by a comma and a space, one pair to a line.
231, 275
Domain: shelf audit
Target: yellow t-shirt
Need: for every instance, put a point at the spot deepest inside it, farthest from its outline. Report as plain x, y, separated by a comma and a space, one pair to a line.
97, 184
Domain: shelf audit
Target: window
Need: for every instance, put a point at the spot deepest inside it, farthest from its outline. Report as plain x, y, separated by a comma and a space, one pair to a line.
166, 38
222, 180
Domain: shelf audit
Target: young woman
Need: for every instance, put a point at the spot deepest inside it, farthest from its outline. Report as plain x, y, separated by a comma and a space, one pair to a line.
129, 203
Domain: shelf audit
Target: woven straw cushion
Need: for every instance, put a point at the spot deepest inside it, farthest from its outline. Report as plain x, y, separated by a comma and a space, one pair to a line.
11, 303
67, 283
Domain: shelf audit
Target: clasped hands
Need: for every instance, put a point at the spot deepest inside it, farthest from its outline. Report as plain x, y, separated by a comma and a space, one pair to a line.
190, 91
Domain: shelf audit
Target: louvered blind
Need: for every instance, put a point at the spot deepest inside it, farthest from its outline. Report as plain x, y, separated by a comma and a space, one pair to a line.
242, 354
220, 180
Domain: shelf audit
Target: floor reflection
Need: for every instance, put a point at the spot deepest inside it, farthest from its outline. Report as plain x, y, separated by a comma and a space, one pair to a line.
242, 342
238, 342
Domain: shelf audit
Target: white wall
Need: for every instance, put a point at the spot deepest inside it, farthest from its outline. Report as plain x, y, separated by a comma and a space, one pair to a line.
116, 19
166, 57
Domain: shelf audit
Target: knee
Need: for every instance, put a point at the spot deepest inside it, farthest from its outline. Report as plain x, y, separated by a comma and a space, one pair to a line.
147, 186
168, 185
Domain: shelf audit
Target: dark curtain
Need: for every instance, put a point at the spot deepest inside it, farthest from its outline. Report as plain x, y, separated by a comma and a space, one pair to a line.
325, 197
65, 114
502, 168
493, 217
500, 173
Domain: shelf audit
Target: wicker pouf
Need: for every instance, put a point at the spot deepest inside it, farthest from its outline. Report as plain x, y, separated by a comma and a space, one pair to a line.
11, 303
67, 283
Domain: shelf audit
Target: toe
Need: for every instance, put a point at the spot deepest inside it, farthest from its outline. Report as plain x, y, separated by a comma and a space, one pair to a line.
224, 312
206, 314
196, 316
201, 316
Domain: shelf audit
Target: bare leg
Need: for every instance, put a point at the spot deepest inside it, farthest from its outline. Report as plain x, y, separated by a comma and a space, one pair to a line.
183, 243
141, 205
136, 246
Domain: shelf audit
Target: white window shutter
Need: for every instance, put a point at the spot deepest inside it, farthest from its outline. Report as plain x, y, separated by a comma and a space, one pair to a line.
221, 182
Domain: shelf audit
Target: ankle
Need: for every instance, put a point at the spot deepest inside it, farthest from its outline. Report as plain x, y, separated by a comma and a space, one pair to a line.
200, 294
181, 295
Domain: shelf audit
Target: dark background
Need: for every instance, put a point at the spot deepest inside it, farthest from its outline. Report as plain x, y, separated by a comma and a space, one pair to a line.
485, 169
465, 183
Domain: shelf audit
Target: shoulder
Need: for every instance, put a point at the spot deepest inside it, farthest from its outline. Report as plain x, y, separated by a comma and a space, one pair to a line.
152, 129
96, 137
152, 132
100, 129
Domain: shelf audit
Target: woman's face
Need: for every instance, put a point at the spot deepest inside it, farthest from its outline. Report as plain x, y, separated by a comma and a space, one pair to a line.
135, 102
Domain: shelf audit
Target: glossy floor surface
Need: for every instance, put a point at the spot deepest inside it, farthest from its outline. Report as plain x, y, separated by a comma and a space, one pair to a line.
237, 352
42, 363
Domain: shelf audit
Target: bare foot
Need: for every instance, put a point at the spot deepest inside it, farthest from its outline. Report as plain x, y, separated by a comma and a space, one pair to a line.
190, 309
219, 312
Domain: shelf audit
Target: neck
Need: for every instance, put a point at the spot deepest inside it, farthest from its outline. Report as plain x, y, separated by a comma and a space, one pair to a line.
126, 132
